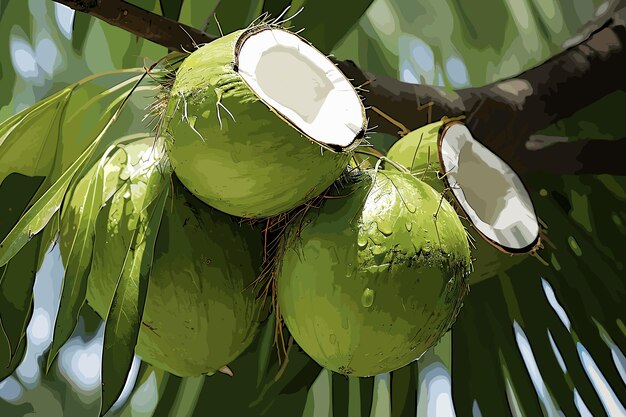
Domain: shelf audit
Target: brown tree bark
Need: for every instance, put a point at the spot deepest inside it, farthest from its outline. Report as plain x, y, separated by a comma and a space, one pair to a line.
502, 115
505, 113
143, 23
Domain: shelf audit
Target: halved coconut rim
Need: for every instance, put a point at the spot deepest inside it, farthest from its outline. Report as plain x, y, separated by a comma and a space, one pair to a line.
489, 192
302, 86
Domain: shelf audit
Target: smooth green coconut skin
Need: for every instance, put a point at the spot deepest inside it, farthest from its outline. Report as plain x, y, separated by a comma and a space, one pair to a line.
418, 151
365, 285
200, 311
412, 151
259, 165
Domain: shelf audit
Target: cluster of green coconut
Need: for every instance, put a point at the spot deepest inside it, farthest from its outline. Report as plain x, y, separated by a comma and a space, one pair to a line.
257, 124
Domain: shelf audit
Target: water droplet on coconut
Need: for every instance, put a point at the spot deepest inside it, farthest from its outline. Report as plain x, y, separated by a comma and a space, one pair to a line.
127, 194
377, 268
385, 228
377, 250
362, 241
367, 299
332, 338
411, 207
409, 226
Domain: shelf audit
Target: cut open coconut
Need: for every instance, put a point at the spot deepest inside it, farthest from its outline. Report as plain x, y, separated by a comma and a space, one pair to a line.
247, 115
302, 85
490, 193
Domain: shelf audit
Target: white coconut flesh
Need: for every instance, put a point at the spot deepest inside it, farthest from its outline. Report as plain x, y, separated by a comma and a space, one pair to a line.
489, 191
304, 86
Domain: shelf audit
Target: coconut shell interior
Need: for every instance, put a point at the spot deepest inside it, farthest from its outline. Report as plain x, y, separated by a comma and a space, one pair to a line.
302, 85
490, 193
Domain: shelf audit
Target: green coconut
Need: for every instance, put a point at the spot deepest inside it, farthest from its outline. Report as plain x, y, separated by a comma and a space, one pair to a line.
201, 311
372, 279
258, 122
487, 261
419, 152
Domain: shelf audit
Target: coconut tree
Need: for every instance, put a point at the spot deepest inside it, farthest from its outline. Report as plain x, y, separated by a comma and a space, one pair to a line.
199, 166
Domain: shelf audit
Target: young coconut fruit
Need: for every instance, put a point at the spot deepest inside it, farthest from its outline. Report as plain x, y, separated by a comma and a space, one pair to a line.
376, 276
259, 121
491, 194
200, 310
417, 151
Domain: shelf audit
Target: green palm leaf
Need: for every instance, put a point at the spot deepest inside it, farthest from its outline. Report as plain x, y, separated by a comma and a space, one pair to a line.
129, 183
231, 16
338, 17
404, 389
44, 152
16, 277
37, 217
553, 311
28, 140
47, 129
7, 368
46, 138
126, 198
171, 8
16, 295
77, 223
276, 7
124, 319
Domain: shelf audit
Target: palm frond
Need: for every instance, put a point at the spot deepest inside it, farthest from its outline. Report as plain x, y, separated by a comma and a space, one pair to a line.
534, 331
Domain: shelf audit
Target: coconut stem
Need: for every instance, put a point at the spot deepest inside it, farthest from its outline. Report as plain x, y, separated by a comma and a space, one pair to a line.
403, 129
283, 366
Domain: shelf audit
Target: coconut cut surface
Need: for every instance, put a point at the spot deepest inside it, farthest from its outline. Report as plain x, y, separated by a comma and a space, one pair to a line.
304, 86
489, 191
